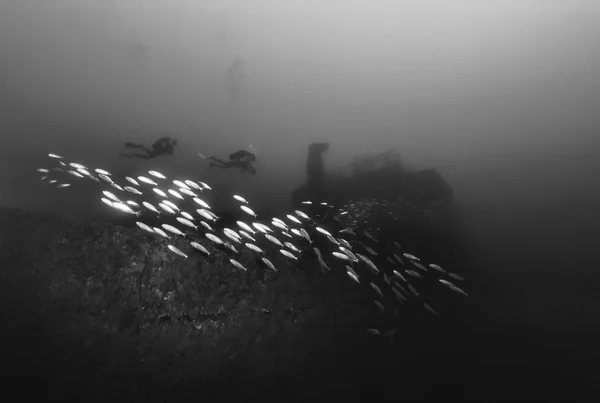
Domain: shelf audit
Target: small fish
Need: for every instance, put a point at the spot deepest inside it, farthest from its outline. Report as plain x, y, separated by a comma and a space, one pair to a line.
159, 192
279, 221
294, 219
348, 231
237, 264
176, 250
344, 243
446, 282
307, 202
430, 309
397, 244
214, 238
320, 258
187, 222
166, 208
247, 235
351, 270
458, 290
342, 256
279, 225
205, 225
161, 232
377, 289
175, 193
116, 186
455, 276
399, 259
201, 248
206, 214
400, 276
180, 184
268, 263
193, 184
274, 240
102, 172
63, 185
144, 227
305, 235
380, 306
245, 226
132, 203
253, 247
399, 295
285, 233
323, 231
187, 192
418, 265
172, 229
147, 180
187, 215
261, 227
231, 234
240, 199
248, 210
201, 203
291, 246
288, 254
157, 174
75, 173
414, 274
353, 276
296, 232
411, 257
124, 208
106, 201
76, 165
374, 332
171, 204
105, 178
150, 207
368, 262
370, 250
132, 181
333, 240
301, 214
55, 156
204, 185
111, 196
132, 190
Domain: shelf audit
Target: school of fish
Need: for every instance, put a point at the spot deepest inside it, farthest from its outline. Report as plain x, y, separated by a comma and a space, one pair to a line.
391, 274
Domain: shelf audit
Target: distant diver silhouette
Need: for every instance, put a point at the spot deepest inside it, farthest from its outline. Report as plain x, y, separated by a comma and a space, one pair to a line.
241, 159
162, 146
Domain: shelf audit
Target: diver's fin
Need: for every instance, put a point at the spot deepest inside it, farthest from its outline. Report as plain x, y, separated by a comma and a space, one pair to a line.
203, 157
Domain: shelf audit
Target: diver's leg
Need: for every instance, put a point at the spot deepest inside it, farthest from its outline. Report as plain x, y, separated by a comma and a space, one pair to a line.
217, 160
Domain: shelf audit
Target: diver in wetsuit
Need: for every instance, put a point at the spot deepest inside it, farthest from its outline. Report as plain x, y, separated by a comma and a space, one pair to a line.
241, 159
162, 146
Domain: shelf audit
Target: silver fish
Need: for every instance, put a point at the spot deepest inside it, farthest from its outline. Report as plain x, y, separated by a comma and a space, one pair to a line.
353, 276
274, 240
368, 262
166, 208
245, 226
132, 181
206, 214
125, 208
204, 185
296, 232
187, 215
307, 202
413, 290
323, 231
202, 203
175, 193
418, 265
430, 309
157, 174
150, 207
171, 204
285, 233
261, 227
200, 248
231, 234
305, 235
205, 225
342, 256
291, 246
161, 232
455, 276
144, 227
458, 290
374, 332
240, 199
253, 247
380, 306
414, 274
179, 252
55, 156
172, 229
111, 196
147, 180
269, 264
399, 259
75, 173
333, 240
293, 219
237, 264
187, 192
132, 203
132, 190
76, 165
214, 238
180, 184
247, 235
248, 210
377, 289
193, 184
411, 257
187, 222
102, 172
400, 276
106, 201
301, 214
116, 186
105, 178
159, 192
288, 254
279, 225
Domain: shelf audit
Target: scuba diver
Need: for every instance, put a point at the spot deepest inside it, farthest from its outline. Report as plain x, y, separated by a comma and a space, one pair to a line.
162, 146
240, 159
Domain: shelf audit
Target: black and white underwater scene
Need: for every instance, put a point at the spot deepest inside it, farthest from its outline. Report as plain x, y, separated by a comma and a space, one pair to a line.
298, 201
